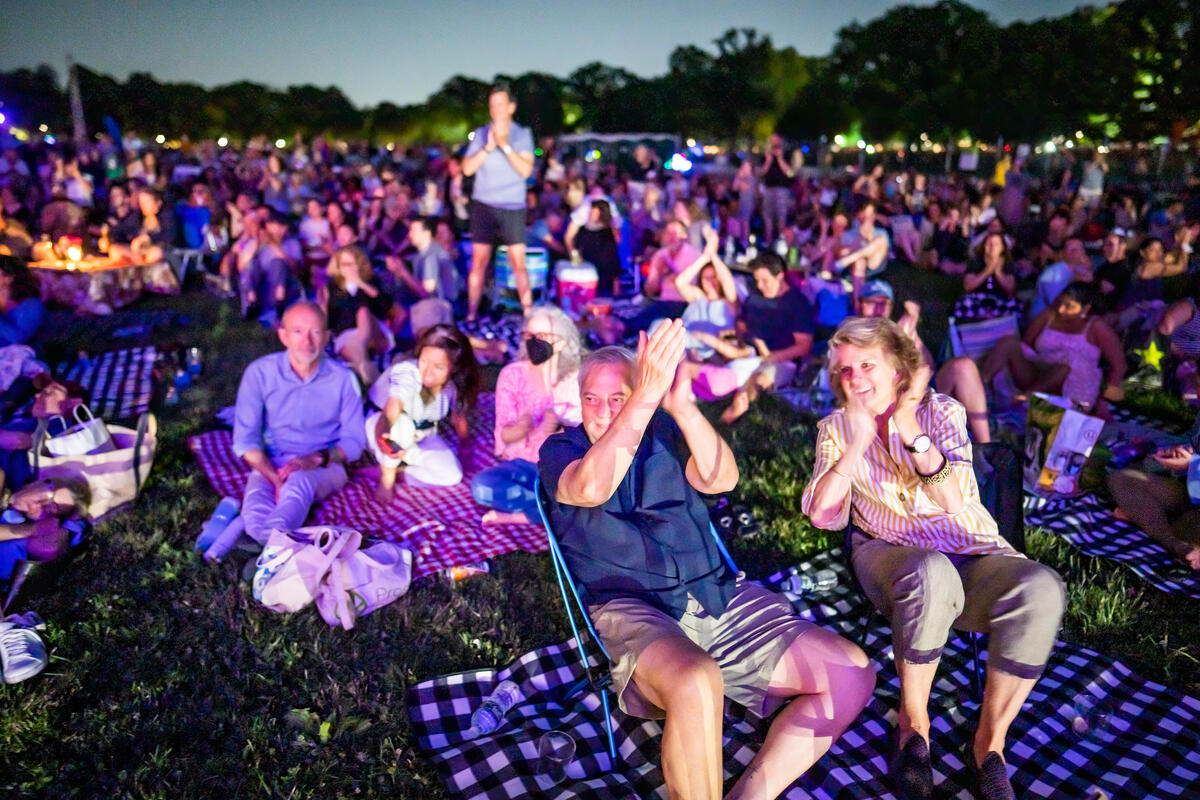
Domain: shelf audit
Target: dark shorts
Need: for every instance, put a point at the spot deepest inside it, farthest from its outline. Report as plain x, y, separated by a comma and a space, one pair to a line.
492, 226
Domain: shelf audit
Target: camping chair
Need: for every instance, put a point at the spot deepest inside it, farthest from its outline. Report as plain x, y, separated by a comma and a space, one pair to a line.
975, 339
998, 473
567, 582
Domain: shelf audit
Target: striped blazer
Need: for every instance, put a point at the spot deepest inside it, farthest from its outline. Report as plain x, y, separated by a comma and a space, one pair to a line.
887, 498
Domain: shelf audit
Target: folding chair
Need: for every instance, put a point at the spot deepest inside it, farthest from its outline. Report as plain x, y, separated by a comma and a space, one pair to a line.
567, 582
998, 473
975, 339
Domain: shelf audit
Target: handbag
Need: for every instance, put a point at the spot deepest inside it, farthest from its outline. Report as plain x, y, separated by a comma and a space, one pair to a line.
292, 566
87, 435
114, 477
363, 580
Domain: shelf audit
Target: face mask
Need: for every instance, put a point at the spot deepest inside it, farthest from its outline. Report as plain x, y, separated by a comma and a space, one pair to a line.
539, 351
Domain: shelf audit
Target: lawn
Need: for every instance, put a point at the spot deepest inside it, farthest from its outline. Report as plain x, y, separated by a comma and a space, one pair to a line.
167, 680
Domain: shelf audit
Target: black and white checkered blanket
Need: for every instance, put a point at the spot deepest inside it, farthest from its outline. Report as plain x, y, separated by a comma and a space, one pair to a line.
1152, 747
1125, 415
1090, 527
120, 383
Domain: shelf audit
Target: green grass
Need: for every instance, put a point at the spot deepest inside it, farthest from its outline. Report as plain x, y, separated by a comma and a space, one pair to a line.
168, 681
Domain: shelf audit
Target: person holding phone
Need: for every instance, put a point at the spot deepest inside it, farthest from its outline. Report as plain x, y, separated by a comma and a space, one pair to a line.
443, 381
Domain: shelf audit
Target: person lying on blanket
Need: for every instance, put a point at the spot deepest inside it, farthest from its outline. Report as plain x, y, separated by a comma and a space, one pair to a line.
683, 630
1166, 507
535, 396
896, 459
415, 395
298, 421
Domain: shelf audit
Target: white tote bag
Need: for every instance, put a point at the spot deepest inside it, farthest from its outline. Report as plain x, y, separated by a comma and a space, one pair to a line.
88, 435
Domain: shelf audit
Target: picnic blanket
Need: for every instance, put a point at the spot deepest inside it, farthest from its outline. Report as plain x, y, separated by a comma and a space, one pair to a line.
1123, 415
1089, 525
459, 538
119, 382
1151, 749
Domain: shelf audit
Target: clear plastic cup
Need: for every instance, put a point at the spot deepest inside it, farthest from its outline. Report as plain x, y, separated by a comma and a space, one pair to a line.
556, 749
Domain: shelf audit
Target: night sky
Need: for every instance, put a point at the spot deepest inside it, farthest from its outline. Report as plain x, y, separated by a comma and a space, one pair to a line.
403, 51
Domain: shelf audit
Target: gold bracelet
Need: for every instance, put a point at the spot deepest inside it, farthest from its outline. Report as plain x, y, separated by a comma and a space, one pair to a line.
937, 477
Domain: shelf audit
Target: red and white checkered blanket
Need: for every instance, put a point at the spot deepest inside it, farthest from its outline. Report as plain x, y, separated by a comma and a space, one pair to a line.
463, 540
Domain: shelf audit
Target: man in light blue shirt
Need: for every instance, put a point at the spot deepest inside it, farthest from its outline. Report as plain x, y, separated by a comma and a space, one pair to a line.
500, 156
298, 422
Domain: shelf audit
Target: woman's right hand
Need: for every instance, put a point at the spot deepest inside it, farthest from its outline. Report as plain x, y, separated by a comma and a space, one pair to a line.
861, 423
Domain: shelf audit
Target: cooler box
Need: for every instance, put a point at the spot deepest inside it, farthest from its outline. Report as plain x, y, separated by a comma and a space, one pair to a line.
576, 286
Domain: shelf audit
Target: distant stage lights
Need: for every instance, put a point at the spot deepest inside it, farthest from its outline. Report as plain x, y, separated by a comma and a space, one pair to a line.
223, 141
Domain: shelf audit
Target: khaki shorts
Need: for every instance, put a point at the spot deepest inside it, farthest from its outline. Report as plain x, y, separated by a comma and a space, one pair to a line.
746, 641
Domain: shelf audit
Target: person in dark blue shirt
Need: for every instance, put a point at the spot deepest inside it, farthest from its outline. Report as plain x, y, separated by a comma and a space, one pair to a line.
683, 630
777, 325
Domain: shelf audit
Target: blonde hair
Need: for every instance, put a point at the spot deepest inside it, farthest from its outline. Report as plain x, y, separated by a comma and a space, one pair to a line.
864, 332
360, 258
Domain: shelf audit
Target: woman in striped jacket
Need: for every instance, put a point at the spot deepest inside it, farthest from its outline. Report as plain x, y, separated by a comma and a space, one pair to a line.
895, 461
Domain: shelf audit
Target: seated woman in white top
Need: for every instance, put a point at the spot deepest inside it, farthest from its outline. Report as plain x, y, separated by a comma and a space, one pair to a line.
415, 395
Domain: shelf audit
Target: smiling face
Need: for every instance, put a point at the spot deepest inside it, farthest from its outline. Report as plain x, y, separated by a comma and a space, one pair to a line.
867, 373
771, 286
603, 395
434, 365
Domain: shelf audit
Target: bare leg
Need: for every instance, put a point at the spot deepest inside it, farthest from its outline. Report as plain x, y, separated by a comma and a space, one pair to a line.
481, 256
1148, 502
742, 398
1002, 699
684, 681
831, 681
916, 681
495, 517
386, 490
516, 259
1007, 354
959, 378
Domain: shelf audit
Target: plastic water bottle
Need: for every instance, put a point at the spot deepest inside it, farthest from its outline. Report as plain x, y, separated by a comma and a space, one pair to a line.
491, 711
805, 583
1193, 478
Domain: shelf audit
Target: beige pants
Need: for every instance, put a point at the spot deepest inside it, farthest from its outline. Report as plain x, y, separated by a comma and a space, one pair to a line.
924, 593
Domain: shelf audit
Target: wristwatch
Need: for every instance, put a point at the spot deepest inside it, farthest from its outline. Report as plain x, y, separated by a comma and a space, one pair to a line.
921, 444
506, 148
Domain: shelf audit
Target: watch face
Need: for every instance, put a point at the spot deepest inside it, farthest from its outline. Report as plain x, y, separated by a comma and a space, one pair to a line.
920, 444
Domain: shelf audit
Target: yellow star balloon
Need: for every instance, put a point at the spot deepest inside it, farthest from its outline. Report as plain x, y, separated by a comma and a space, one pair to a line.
1151, 355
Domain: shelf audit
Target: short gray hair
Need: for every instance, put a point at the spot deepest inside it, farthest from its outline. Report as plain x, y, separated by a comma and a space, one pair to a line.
610, 356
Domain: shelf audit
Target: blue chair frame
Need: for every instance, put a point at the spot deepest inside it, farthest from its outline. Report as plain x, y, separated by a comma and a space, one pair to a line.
566, 582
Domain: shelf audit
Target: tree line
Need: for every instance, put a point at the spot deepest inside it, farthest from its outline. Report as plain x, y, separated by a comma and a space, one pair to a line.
1115, 72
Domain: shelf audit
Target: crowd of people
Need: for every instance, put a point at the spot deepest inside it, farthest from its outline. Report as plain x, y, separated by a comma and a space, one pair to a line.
372, 266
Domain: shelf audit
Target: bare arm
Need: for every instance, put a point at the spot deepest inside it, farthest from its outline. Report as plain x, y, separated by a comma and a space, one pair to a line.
800, 347
1037, 326
948, 493
685, 280
590, 480
711, 468
1110, 347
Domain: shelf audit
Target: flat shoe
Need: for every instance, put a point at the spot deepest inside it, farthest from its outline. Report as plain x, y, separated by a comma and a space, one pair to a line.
911, 771
991, 778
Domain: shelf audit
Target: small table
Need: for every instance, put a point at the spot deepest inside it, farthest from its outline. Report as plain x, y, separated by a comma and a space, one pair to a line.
99, 284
